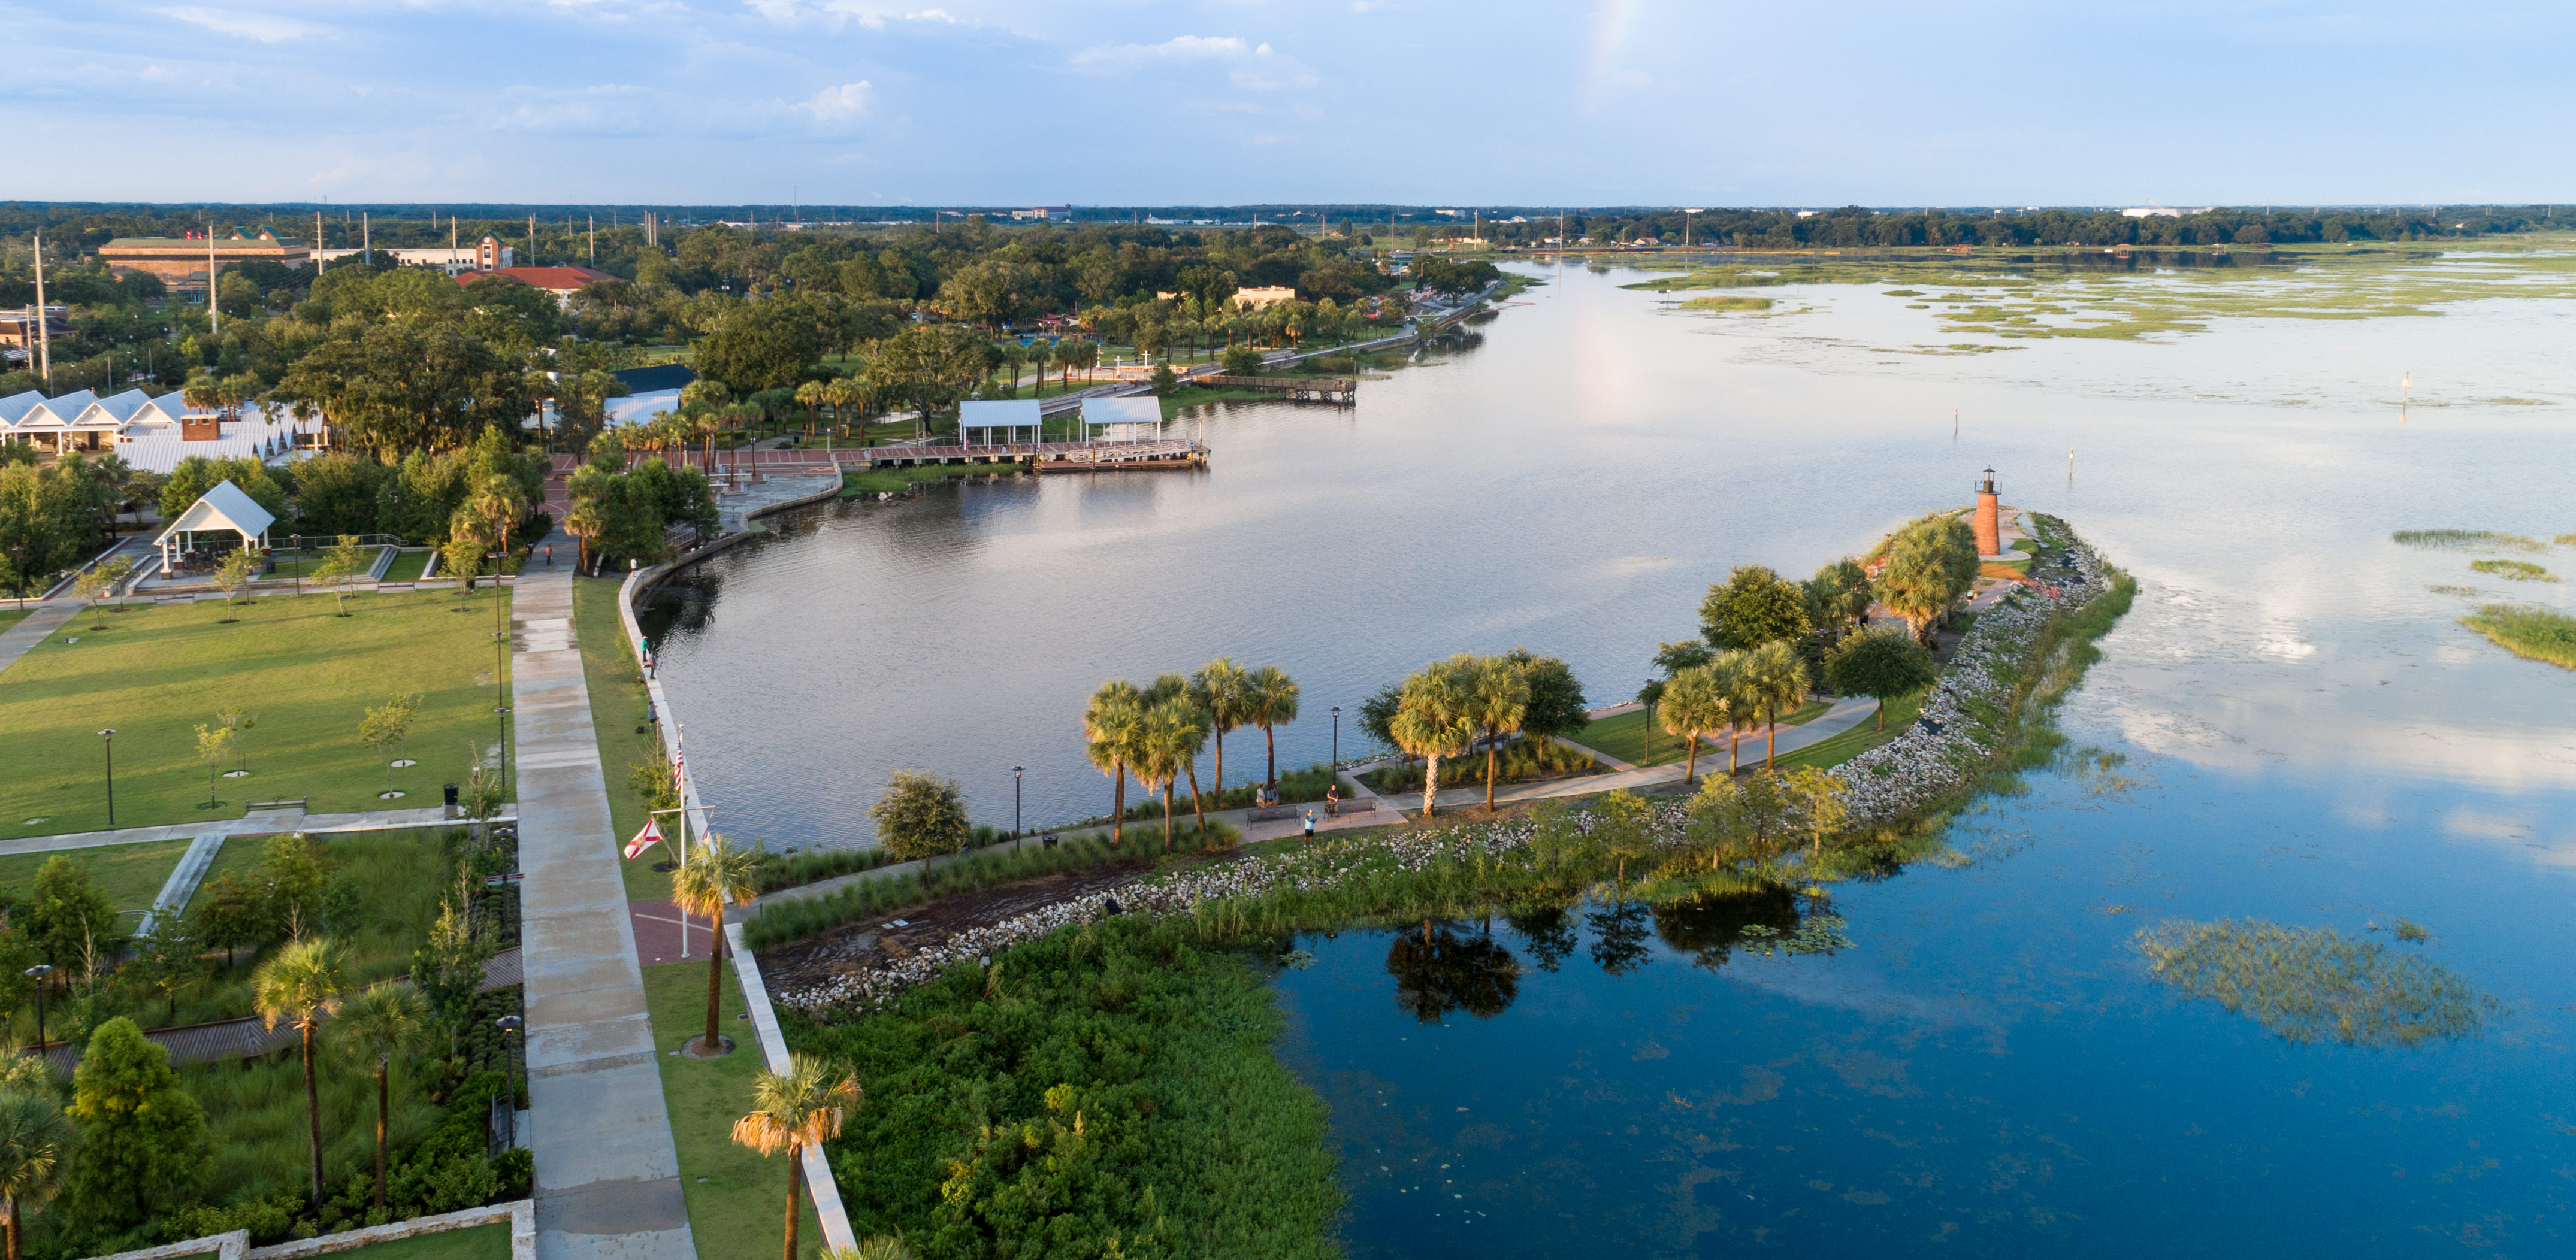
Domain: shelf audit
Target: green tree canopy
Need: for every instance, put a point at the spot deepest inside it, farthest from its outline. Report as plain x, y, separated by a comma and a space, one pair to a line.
143, 1145
760, 345
920, 815
1752, 607
1882, 664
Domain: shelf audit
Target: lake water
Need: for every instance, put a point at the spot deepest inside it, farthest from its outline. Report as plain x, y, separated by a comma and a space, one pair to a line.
1988, 1068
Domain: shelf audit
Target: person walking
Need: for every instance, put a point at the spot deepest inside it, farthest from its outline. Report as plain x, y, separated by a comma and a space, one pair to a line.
550, 556
1310, 824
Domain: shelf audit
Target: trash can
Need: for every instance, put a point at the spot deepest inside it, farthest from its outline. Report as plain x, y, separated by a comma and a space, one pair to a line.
451, 800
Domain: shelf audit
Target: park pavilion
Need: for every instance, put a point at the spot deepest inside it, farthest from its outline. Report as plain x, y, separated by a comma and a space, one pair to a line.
224, 509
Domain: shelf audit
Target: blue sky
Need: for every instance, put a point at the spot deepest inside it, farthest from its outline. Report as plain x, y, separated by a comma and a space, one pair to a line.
1592, 102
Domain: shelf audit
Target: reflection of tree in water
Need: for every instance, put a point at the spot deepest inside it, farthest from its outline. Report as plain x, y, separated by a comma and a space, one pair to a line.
1709, 927
1548, 934
2305, 984
1438, 971
1619, 932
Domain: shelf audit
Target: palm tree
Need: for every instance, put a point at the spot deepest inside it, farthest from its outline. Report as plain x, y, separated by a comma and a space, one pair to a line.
1774, 672
386, 1019
717, 875
1694, 704
795, 1109
34, 1137
1174, 730
1269, 700
1497, 698
878, 1247
584, 522
1219, 690
1431, 722
300, 984
1111, 724
1736, 698
499, 502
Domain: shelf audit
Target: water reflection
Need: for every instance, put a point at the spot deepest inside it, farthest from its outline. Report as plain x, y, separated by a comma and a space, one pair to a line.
1709, 928
1437, 971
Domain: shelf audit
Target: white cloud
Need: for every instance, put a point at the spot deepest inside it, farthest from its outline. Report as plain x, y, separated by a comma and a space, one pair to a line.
846, 103
1180, 49
265, 27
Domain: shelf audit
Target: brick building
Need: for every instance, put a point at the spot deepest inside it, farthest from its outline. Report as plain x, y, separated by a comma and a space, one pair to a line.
182, 262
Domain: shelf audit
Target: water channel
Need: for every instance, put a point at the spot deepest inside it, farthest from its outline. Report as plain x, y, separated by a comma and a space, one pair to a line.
2310, 739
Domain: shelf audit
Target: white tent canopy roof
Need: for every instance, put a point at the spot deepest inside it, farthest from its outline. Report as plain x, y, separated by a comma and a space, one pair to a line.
999, 414
224, 507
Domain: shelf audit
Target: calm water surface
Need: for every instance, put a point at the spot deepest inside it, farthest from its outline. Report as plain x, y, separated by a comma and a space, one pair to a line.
1988, 1068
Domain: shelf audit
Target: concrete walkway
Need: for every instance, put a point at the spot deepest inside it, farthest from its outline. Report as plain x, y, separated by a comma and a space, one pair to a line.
608, 1175
41, 620
256, 823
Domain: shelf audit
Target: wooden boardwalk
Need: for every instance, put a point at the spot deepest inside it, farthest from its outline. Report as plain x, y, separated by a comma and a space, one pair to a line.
1320, 388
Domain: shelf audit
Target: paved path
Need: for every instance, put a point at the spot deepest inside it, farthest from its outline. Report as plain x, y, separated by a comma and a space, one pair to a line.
41, 620
608, 1176
260, 822
241, 1038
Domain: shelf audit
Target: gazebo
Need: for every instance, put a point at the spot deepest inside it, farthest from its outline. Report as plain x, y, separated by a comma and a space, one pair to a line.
223, 508
1006, 416
1124, 419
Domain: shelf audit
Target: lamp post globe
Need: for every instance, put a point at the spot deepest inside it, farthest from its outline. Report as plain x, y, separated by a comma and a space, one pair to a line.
38, 973
1337, 738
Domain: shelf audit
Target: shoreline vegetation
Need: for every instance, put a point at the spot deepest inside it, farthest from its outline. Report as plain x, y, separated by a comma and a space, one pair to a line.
1070, 1055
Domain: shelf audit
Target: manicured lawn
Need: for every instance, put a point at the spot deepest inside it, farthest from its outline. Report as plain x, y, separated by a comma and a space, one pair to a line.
736, 1198
407, 566
10, 616
619, 704
130, 874
304, 676
1624, 736
1852, 743
483, 1242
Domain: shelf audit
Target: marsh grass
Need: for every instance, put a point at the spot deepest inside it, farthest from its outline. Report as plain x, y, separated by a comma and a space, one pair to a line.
2513, 570
1727, 304
2466, 540
2540, 634
2315, 984
255, 1108
398, 876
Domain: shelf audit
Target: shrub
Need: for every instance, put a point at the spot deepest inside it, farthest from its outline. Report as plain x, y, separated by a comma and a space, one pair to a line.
920, 814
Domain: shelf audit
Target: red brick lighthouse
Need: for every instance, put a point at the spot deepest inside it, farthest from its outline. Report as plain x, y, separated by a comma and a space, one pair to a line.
1990, 541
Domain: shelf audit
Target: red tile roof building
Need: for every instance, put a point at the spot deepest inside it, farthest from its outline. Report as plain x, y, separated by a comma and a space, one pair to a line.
563, 282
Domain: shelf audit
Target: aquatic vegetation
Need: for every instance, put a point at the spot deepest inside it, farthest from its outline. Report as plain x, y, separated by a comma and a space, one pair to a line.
2312, 984
1819, 934
1727, 304
2411, 932
2025, 295
2538, 633
2439, 588
2466, 540
1113, 1084
2513, 570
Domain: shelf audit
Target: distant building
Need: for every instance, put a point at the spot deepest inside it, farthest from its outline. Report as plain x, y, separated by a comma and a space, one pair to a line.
1271, 295
18, 328
182, 261
2159, 212
1044, 214
563, 282
488, 254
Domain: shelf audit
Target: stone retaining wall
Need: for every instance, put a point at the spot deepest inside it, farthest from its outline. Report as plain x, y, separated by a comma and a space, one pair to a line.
520, 1215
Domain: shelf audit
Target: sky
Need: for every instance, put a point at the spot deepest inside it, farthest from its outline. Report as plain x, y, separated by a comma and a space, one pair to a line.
1217, 102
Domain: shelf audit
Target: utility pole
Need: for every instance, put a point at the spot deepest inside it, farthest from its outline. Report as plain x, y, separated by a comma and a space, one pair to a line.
44, 324
214, 317
594, 240
366, 239
532, 240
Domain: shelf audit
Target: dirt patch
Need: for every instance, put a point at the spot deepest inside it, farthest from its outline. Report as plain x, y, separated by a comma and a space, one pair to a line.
873, 943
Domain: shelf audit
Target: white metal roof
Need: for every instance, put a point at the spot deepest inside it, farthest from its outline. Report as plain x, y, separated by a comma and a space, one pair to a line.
1141, 410
998, 414
224, 507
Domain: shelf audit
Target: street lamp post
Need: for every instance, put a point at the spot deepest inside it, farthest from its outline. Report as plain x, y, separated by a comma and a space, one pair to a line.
38, 973
107, 740
1337, 737
509, 1072
1015, 802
